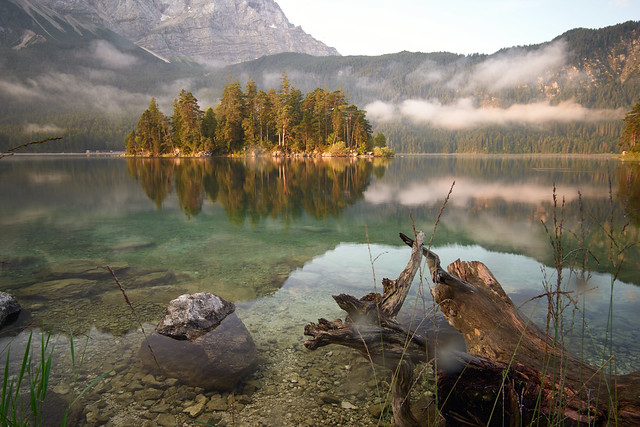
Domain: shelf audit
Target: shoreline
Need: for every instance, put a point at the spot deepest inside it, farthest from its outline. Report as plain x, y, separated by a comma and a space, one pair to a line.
300, 156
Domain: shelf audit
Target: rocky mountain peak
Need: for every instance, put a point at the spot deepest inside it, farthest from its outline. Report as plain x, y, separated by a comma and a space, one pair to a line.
211, 31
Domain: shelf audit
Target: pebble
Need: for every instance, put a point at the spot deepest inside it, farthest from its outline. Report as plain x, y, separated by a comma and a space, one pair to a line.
62, 388
166, 420
217, 403
147, 394
347, 405
326, 398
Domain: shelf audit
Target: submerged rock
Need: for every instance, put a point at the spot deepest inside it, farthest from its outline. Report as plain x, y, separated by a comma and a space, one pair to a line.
9, 307
89, 269
71, 288
201, 342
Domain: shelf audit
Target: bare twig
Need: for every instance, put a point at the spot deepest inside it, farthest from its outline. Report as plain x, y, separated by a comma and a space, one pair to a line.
135, 314
11, 151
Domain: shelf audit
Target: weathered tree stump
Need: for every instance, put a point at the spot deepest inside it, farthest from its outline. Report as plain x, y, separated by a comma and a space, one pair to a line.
512, 373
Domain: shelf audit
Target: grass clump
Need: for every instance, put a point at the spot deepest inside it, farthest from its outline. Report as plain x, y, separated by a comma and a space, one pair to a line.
18, 408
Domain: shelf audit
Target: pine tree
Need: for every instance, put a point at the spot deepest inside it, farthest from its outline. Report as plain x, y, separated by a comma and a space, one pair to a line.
266, 118
130, 144
230, 114
187, 127
631, 134
283, 109
153, 135
250, 121
208, 130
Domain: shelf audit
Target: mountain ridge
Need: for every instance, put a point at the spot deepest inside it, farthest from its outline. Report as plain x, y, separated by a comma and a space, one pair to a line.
214, 32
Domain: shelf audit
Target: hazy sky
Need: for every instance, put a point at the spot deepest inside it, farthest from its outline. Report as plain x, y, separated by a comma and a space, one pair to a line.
375, 27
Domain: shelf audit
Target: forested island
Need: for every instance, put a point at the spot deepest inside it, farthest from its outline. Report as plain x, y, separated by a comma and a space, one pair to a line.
281, 122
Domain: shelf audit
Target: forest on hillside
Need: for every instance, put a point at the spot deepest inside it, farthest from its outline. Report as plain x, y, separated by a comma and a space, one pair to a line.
574, 138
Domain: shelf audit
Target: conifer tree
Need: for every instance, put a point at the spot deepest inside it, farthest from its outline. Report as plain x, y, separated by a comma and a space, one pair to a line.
153, 135
130, 144
631, 136
208, 129
266, 118
250, 121
187, 127
230, 114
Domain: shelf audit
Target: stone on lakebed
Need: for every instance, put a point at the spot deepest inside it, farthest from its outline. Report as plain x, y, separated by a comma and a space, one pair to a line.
9, 307
201, 342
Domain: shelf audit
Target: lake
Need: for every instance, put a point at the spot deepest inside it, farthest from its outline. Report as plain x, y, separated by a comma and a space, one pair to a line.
278, 238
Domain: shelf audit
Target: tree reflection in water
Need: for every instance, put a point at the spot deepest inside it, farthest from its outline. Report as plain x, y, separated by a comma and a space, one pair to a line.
628, 179
257, 188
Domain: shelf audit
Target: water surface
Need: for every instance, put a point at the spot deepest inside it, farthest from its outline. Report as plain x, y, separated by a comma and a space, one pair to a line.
279, 238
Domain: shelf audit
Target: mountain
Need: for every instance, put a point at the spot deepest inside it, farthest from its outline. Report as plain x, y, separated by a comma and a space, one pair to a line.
565, 95
215, 32
596, 68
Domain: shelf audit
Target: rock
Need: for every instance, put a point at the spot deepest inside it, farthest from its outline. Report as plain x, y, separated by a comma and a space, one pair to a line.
375, 410
166, 420
327, 398
62, 389
69, 288
245, 400
160, 409
147, 394
197, 408
208, 356
190, 316
9, 307
92, 418
132, 245
209, 419
149, 380
155, 278
347, 405
134, 386
217, 403
91, 269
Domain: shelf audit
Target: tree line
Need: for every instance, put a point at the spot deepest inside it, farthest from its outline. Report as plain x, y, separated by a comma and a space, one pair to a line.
282, 120
577, 138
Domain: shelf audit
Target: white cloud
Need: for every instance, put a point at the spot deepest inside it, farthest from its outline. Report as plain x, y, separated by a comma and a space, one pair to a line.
519, 67
38, 128
381, 111
18, 90
463, 114
67, 90
510, 69
110, 56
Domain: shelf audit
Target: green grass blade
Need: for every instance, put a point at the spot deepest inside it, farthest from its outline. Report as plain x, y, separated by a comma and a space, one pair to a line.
6, 392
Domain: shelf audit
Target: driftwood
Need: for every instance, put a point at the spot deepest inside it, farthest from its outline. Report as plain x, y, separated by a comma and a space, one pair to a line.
512, 373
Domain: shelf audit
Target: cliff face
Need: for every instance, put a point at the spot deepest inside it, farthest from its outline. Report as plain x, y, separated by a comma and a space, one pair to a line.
212, 31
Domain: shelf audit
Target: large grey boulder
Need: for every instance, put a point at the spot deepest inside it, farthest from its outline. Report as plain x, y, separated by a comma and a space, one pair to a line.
201, 342
9, 306
190, 316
